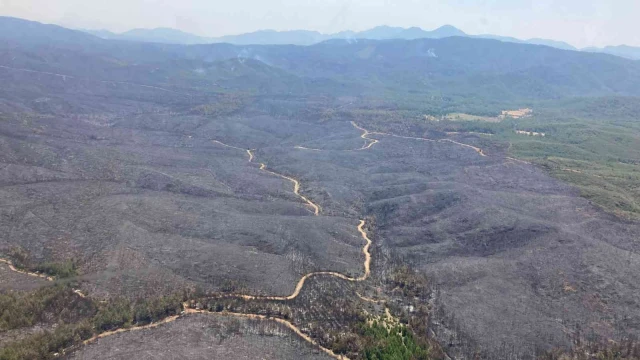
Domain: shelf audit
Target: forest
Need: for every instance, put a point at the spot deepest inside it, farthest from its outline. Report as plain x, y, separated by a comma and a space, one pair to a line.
361, 200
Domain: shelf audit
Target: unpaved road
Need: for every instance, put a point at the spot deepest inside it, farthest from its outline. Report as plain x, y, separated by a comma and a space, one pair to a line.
299, 286
13, 268
370, 142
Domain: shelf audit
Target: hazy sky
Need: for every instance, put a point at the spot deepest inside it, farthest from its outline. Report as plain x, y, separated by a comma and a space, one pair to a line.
579, 22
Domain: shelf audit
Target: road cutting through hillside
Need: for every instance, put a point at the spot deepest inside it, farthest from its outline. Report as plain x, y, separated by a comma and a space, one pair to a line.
371, 300
475, 148
306, 148
38, 275
29, 273
188, 310
296, 187
300, 284
284, 322
263, 167
132, 328
364, 135
518, 160
371, 142
296, 292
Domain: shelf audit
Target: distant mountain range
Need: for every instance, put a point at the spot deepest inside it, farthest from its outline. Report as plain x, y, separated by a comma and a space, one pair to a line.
453, 70
625, 51
305, 37
272, 37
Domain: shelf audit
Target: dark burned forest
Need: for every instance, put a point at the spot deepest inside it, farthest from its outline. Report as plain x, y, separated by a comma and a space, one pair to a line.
348, 200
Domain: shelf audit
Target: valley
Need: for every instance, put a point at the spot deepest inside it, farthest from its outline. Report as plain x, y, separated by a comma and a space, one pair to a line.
293, 202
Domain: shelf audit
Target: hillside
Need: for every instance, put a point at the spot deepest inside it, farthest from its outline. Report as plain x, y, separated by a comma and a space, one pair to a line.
306, 37
448, 198
272, 37
448, 69
624, 51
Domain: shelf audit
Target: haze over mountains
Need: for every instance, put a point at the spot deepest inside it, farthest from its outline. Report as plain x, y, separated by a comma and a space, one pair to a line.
313, 191
499, 71
625, 51
306, 37
272, 37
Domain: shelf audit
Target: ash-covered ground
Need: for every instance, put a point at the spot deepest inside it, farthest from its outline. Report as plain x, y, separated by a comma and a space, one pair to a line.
131, 186
204, 337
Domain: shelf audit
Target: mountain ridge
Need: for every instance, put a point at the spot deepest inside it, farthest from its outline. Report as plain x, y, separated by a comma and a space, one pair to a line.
145, 158
626, 51
274, 37
457, 67
309, 37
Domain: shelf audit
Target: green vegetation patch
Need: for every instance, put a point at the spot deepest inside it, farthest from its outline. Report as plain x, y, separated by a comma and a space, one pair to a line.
122, 313
54, 304
588, 144
59, 269
75, 318
591, 143
469, 117
391, 343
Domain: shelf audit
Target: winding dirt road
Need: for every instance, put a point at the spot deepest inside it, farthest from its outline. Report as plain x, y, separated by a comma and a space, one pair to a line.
518, 160
306, 148
370, 142
38, 275
133, 328
188, 310
286, 323
296, 186
364, 135
34, 274
475, 148
368, 299
296, 292
263, 166
300, 284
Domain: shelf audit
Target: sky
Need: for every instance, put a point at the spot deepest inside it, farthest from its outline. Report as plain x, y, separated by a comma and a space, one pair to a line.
581, 23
